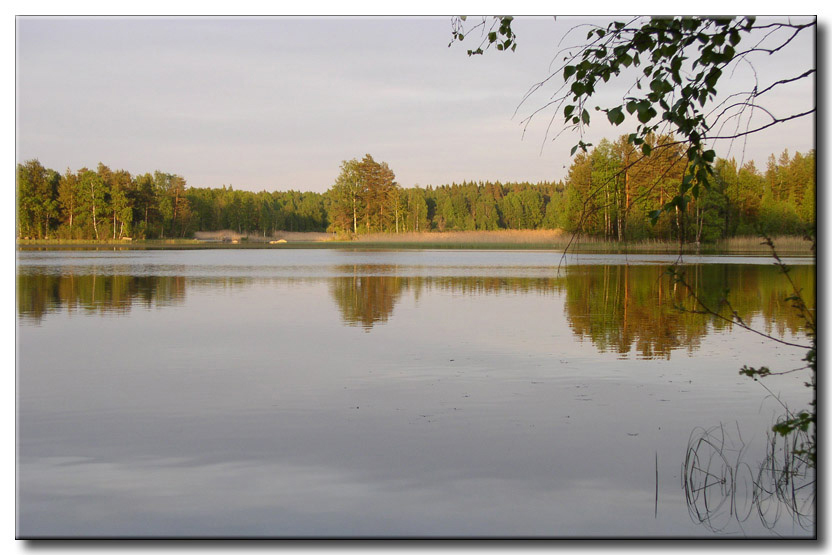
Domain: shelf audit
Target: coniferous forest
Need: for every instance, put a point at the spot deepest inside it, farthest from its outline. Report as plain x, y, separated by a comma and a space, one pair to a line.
609, 192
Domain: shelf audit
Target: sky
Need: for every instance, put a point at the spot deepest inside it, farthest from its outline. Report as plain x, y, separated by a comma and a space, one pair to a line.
277, 103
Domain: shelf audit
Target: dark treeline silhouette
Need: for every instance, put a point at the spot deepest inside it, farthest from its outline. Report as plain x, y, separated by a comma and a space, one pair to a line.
609, 192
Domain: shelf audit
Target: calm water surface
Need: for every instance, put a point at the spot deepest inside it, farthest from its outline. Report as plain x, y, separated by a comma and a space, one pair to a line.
417, 393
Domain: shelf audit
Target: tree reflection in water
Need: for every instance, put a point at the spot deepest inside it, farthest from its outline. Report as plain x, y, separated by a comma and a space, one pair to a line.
40, 294
723, 490
619, 308
367, 299
623, 308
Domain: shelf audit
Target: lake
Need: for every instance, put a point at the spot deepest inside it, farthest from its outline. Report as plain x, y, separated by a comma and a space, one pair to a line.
415, 393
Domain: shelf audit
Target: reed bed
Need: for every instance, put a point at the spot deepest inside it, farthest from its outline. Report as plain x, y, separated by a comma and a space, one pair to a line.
229, 235
46, 242
536, 236
783, 244
559, 239
501, 239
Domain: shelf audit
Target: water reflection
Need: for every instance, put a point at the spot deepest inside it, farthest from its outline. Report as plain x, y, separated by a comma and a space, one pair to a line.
724, 491
366, 300
619, 308
483, 401
642, 308
39, 294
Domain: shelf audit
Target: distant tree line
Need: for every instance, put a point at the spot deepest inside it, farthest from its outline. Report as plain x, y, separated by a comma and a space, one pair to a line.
104, 204
609, 192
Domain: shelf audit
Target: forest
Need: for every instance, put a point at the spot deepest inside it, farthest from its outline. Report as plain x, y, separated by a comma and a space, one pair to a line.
608, 192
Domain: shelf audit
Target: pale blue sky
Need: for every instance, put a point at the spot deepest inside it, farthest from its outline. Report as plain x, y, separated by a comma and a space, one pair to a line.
278, 103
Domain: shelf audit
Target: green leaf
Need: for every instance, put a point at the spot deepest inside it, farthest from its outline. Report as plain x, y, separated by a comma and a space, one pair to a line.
644, 114
728, 53
585, 117
656, 85
713, 77
676, 64
616, 116
646, 149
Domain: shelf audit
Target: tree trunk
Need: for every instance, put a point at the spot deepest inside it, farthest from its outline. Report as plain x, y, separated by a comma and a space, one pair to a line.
607, 219
626, 200
701, 222
680, 224
619, 212
94, 224
173, 220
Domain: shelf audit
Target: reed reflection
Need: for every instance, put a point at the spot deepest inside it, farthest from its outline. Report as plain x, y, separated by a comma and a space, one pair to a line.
724, 489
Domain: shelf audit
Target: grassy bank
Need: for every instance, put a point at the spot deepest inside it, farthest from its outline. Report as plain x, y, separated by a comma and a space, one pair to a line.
505, 239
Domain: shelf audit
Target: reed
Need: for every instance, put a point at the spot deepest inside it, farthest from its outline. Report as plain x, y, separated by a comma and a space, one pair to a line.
783, 244
546, 239
499, 236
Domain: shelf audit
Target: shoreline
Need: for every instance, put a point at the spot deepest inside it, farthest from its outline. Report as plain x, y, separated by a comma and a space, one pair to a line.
549, 240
